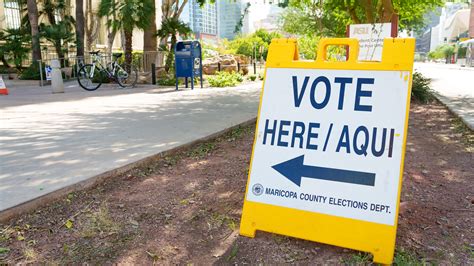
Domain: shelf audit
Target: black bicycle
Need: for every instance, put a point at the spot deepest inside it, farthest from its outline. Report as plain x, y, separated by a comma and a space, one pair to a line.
91, 76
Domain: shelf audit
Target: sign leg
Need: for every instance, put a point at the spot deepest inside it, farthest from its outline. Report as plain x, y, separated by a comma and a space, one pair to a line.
247, 225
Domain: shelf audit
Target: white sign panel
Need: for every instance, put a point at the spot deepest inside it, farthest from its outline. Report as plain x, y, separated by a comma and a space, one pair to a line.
48, 70
370, 38
330, 142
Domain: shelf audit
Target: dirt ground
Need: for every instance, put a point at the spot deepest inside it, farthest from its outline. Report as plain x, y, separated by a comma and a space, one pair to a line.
186, 209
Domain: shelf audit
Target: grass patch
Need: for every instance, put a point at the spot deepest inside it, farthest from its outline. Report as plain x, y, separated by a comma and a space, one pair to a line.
217, 220
99, 223
403, 257
29, 253
202, 150
238, 132
171, 160
467, 134
233, 252
6, 234
360, 258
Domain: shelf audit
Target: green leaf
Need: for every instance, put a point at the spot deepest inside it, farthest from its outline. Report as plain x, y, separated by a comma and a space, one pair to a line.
4, 250
69, 224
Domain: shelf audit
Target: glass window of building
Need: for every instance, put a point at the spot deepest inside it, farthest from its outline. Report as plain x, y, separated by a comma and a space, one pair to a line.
12, 10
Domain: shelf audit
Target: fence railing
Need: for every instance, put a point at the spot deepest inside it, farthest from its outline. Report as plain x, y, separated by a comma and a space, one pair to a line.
147, 63
71, 64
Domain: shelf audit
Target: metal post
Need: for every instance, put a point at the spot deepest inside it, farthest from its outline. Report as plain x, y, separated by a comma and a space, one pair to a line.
186, 81
219, 66
238, 67
254, 68
41, 72
153, 74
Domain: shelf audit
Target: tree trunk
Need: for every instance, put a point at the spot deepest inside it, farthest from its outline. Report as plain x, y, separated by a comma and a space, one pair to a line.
168, 12
369, 10
149, 35
59, 51
110, 40
170, 57
388, 11
111, 32
91, 26
33, 18
128, 46
4, 61
80, 28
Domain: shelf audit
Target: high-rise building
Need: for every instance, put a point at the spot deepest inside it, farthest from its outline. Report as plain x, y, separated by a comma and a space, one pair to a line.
261, 14
229, 16
423, 40
202, 20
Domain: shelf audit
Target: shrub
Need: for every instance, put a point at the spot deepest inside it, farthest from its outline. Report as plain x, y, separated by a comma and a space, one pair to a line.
166, 81
171, 81
32, 72
239, 77
14, 47
420, 90
7, 70
252, 77
225, 79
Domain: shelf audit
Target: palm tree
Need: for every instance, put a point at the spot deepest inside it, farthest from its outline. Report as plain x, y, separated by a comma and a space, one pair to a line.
80, 27
14, 45
108, 9
149, 37
59, 33
129, 14
3, 51
59, 30
35, 36
172, 27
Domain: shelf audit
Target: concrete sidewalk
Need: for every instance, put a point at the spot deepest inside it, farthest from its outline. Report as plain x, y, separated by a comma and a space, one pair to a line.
454, 87
48, 142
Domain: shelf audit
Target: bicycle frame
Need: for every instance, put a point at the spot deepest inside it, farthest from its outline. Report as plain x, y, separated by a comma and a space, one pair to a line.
96, 63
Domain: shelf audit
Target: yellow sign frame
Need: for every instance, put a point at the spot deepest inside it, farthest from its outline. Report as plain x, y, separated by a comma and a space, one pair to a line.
374, 238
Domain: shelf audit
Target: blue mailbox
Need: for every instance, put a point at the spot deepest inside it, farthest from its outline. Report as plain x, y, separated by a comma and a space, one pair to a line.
188, 61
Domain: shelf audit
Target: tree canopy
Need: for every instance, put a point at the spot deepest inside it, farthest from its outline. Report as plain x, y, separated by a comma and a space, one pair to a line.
254, 45
330, 17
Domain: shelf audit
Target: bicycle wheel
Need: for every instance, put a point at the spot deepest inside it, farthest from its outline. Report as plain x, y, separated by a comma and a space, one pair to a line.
126, 75
90, 81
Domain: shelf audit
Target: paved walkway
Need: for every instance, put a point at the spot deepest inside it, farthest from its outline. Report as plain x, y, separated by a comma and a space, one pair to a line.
51, 141
454, 87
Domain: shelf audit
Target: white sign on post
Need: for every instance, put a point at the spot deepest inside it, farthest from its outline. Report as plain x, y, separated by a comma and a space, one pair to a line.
48, 70
370, 38
331, 142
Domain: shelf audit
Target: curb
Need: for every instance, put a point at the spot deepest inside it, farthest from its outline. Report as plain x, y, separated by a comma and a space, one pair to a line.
13, 212
442, 99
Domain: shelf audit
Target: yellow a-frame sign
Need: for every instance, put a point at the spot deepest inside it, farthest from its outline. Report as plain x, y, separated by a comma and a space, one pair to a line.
329, 147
